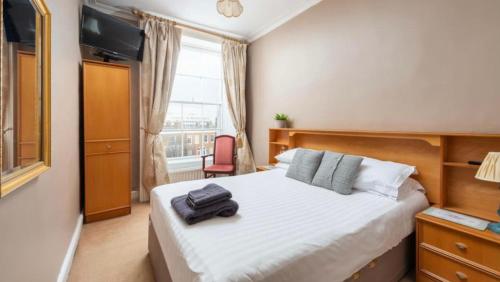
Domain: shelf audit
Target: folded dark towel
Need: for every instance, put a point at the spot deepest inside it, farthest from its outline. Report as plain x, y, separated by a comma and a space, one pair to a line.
207, 196
191, 216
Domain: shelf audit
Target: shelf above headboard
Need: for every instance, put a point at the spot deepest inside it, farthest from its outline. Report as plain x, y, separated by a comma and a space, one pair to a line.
441, 159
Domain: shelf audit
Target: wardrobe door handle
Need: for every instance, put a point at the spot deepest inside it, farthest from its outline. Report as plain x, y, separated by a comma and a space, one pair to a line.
462, 276
108, 147
461, 246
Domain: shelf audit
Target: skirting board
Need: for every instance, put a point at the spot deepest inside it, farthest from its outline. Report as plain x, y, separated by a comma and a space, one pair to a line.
70, 253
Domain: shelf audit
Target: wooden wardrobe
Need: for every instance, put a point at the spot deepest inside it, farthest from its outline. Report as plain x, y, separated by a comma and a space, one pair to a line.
106, 138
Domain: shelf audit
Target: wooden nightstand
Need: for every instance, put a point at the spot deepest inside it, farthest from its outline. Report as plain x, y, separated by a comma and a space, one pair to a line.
451, 252
265, 167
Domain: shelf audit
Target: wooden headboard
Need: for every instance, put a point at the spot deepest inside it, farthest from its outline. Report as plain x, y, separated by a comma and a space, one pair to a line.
441, 160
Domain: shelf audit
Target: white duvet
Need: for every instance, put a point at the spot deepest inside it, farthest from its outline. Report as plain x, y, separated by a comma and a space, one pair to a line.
285, 230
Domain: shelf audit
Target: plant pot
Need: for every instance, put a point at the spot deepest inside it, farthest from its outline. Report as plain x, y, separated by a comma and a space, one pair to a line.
280, 123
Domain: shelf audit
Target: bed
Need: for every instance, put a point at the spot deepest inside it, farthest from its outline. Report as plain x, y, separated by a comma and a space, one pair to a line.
287, 230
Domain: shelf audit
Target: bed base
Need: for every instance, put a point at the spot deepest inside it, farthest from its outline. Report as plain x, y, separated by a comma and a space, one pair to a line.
390, 267
160, 269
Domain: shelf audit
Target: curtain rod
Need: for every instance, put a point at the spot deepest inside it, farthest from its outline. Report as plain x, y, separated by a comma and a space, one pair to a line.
185, 26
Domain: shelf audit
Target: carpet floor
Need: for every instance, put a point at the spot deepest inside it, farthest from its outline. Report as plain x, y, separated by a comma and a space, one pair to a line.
116, 250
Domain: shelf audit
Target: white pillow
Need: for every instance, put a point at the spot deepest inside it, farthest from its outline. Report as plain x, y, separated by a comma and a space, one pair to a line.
382, 177
409, 186
287, 156
282, 165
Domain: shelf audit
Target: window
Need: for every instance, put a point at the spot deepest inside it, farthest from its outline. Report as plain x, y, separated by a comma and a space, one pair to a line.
197, 111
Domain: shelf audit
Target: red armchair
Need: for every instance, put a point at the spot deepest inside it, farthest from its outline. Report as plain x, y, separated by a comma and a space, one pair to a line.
224, 157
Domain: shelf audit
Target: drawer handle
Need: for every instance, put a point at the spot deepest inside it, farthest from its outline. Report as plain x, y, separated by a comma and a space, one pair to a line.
461, 276
461, 246
108, 147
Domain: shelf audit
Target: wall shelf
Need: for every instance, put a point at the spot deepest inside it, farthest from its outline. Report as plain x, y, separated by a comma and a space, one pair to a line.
441, 158
279, 143
462, 165
462, 192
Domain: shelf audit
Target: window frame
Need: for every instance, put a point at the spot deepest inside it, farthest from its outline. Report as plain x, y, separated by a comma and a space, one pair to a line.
195, 159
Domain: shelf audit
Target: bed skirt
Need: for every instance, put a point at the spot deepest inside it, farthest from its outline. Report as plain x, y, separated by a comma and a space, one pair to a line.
390, 267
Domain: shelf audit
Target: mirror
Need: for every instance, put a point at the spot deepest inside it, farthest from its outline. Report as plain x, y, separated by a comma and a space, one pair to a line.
25, 92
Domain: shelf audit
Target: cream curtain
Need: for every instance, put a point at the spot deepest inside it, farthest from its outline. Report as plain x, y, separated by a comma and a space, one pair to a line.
161, 51
235, 64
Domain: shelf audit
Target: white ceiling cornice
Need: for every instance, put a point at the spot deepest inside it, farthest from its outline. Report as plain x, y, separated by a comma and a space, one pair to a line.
255, 22
281, 20
195, 25
126, 13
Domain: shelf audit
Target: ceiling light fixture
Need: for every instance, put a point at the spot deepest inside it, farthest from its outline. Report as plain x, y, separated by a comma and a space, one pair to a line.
229, 8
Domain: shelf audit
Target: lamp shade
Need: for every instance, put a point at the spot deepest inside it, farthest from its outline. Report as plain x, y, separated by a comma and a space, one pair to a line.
229, 8
490, 169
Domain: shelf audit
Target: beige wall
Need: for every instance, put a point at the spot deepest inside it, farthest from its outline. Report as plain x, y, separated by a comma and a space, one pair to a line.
38, 220
419, 65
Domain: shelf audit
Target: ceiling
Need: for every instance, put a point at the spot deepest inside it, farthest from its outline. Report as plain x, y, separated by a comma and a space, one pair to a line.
258, 18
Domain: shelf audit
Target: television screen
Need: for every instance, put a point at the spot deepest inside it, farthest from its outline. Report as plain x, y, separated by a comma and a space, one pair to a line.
110, 34
19, 21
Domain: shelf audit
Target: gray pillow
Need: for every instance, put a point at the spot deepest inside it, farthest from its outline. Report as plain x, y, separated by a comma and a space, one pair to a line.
345, 174
304, 165
324, 174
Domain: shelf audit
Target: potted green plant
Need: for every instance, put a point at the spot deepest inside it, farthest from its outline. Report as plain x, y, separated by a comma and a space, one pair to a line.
281, 120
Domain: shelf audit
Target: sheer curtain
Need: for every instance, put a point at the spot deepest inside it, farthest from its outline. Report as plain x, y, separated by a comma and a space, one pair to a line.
234, 56
158, 67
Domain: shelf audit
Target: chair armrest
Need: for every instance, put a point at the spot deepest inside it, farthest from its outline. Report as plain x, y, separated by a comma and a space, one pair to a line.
206, 156
203, 160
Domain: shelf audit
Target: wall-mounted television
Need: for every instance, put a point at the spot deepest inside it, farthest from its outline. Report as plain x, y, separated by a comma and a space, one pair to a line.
110, 35
19, 21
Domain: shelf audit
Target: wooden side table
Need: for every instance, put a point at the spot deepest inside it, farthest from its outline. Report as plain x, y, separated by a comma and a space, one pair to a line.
447, 251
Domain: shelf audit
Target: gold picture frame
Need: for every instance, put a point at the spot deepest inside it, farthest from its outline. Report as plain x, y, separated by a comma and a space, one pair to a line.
16, 179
